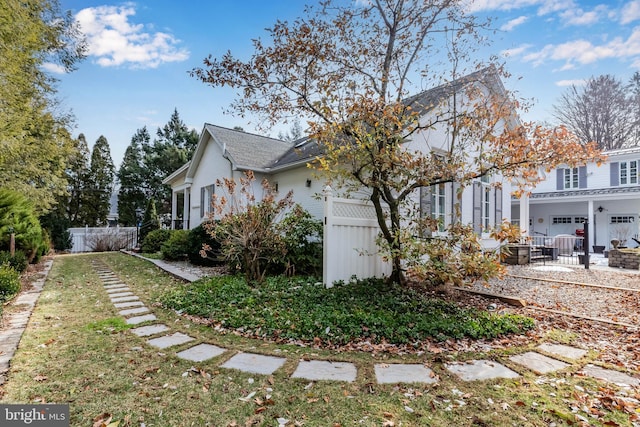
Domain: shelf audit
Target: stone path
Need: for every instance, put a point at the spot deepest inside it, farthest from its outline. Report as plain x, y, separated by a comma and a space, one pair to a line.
546, 358
16, 322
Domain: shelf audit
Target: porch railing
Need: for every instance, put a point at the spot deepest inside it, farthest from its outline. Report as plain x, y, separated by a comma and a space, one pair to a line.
178, 224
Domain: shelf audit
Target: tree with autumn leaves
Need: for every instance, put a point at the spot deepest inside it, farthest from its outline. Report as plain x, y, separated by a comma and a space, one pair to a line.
349, 71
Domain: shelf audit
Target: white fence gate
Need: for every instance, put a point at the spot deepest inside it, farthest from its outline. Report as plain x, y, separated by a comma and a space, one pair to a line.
349, 242
88, 239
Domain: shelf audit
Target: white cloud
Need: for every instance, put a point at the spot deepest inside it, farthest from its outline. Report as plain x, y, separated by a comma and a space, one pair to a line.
585, 52
514, 23
630, 12
577, 16
566, 83
516, 51
54, 68
484, 5
115, 41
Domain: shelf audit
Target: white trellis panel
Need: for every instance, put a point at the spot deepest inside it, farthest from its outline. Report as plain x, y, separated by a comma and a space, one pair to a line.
350, 232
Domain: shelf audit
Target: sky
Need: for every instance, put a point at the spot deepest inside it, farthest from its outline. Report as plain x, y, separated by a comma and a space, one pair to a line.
140, 54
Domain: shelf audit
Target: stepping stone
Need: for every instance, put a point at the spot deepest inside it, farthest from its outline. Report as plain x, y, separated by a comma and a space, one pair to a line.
145, 331
120, 294
170, 340
140, 319
480, 370
323, 370
128, 304
619, 378
111, 281
563, 350
118, 289
124, 299
254, 363
538, 363
131, 311
115, 285
111, 292
201, 352
401, 373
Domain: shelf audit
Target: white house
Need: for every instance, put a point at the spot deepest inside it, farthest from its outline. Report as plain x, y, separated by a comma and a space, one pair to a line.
608, 196
228, 153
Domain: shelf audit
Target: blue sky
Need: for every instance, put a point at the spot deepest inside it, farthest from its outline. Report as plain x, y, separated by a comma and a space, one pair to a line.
140, 54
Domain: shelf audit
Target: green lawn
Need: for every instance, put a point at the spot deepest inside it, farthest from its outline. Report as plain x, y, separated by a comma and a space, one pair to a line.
77, 351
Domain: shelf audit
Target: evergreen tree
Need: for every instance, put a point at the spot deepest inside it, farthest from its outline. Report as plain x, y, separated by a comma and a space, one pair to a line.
150, 221
172, 148
78, 174
100, 182
131, 196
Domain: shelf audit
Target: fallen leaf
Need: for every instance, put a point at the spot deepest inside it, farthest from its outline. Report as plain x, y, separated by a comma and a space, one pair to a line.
102, 420
40, 378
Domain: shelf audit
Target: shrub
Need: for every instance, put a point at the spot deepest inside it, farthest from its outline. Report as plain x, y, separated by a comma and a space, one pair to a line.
197, 238
17, 216
19, 261
247, 229
107, 241
302, 236
150, 220
58, 227
9, 282
154, 240
177, 246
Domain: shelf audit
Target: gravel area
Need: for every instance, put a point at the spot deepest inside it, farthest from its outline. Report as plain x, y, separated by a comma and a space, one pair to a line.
621, 306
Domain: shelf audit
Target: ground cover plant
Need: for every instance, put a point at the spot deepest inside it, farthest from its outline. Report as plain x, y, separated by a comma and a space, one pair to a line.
303, 309
75, 351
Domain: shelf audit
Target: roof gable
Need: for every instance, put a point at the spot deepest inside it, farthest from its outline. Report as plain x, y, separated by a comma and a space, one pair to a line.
244, 150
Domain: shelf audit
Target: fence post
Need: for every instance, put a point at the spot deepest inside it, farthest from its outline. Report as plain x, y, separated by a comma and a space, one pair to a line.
326, 239
585, 245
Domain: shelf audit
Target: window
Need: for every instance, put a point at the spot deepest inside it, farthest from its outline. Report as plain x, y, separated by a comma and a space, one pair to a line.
482, 205
571, 178
629, 172
579, 220
205, 199
623, 219
438, 208
561, 220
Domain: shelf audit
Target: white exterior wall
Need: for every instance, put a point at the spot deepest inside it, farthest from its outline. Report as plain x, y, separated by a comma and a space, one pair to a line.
436, 138
213, 166
310, 198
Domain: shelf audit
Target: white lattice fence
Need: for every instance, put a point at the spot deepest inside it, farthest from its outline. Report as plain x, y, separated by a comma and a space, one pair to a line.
350, 232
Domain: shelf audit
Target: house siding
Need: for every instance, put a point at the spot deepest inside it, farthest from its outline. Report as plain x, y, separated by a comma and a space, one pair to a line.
296, 180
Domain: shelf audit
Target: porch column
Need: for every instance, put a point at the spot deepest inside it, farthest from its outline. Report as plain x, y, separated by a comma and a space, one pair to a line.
524, 215
185, 209
592, 225
174, 208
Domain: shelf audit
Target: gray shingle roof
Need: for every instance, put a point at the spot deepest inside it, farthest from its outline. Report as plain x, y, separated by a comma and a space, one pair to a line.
262, 153
248, 150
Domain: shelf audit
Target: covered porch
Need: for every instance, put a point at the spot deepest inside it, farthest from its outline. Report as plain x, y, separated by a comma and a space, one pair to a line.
611, 214
180, 198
